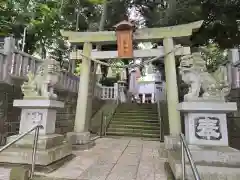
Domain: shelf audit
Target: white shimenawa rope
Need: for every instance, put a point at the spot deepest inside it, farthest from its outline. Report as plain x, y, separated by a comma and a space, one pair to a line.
132, 65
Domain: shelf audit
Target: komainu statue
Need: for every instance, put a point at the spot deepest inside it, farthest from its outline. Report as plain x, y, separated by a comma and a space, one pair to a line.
41, 84
203, 86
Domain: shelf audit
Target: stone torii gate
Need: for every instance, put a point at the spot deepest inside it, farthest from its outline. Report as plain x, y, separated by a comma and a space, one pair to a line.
168, 35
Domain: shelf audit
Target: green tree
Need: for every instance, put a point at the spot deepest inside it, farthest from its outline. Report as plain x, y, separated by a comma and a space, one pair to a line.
44, 19
220, 18
214, 56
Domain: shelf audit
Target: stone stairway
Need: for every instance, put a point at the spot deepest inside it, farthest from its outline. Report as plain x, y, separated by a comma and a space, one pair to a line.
135, 120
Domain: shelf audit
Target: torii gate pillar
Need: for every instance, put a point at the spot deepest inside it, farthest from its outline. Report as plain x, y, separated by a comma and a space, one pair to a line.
171, 86
81, 135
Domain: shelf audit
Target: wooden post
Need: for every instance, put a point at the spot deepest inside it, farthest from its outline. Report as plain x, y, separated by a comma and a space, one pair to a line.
171, 87
82, 102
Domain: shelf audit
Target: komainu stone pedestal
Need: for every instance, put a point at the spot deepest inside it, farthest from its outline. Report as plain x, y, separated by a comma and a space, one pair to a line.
206, 122
207, 136
51, 147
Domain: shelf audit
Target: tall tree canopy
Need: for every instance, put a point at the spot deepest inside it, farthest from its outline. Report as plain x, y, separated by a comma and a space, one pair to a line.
44, 18
220, 18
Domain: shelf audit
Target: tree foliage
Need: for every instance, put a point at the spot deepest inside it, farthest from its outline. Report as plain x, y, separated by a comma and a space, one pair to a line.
220, 18
214, 56
45, 18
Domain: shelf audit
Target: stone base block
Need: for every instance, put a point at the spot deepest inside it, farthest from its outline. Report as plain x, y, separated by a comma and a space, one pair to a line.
206, 122
171, 142
43, 157
44, 142
215, 154
78, 138
51, 148
35, 112
89, 145
207, 171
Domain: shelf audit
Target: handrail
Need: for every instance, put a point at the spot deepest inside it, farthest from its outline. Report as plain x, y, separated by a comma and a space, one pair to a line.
36, 128
104, 117
103, 125
184, 148
160, 121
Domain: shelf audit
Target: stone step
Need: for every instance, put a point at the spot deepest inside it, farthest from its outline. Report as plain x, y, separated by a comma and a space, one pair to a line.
133, 134
138, 107
135, 123
207, 171
133, 130
136, 112
140, 120
136, 104
49, 178
127, 126
135, 116
43, 156
215, 154
128, 110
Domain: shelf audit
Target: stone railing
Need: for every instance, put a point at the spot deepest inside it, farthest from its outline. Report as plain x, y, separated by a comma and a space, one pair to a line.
116, 92
106, 92
15, 65
21, 63
68, 82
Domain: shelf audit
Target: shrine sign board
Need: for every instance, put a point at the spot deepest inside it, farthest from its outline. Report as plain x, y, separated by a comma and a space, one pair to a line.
124, 32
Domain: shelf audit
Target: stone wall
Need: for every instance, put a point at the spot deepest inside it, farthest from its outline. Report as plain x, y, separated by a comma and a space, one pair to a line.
106, 108
9, 115
66, 116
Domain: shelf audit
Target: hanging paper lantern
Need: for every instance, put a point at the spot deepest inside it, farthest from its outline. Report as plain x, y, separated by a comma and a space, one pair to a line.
98, 71
110, 73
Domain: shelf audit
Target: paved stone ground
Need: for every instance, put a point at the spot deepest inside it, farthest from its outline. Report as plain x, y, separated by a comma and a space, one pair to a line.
116, 159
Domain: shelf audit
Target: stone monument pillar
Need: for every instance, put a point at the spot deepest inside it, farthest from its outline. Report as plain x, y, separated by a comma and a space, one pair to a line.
39, 106
206, 132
